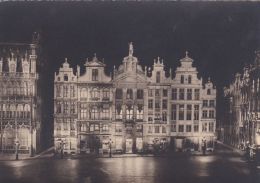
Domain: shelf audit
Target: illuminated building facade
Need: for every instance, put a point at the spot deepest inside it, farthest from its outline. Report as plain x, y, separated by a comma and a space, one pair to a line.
135, 110
20, 121
243, 116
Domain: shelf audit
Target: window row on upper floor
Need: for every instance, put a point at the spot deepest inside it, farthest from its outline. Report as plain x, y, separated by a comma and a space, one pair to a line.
206, 127
208, 103
129, 94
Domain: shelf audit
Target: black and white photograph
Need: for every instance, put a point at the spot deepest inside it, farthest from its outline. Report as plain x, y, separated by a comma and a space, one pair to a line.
129, 91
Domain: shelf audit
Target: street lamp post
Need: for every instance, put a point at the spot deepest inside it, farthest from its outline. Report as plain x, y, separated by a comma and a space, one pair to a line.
110, 148
16, 149
61, 149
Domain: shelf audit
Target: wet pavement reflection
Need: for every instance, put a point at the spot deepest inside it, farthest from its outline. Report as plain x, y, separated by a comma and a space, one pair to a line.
220, 167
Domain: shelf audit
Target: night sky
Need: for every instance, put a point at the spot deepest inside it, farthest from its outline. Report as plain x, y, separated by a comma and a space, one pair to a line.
220, 37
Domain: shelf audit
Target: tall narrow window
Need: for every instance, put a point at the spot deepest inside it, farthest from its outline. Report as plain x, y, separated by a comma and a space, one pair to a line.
150, 93
165, 92
164, 117
164, 104
208, 92
94, 113
66, 108
139, 112
158, 76
189, 94
182, 79
174, 94
196, 128
72, 91
157, 104
83, 111
188, 128
174, 112
95, 93
65, 91
189, 79
83, 93
58, 108
196, 112
66, 78
140, 94
119, 94
129, 112
211, 127
205, 103
211, 114
204, 127
188, 114
106, 94
197, 94
181, 128
204, 113
181, 112
105, 111
72, 108
212, 103
94, 74
181, 94
173, 128
118, 111
129, 94
157, 92
150, 104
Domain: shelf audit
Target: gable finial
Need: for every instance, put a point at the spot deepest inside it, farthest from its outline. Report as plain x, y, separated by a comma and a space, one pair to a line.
131, 49
186, 53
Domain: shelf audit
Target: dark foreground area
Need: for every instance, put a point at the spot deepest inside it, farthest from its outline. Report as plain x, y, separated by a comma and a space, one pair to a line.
224, 166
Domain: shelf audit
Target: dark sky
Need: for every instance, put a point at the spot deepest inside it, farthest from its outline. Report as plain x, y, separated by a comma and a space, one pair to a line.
220, 37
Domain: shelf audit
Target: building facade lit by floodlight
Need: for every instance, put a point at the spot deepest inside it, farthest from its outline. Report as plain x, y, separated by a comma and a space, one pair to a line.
20, 117
133, 110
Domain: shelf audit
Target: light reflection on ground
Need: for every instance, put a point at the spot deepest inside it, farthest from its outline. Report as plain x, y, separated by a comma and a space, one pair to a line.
222, 167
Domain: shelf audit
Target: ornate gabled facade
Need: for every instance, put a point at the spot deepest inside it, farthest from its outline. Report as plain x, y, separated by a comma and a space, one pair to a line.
136, 110
20, 118
244, 107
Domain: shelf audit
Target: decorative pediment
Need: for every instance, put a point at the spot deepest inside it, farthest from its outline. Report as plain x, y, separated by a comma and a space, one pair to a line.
94, 62
127, 77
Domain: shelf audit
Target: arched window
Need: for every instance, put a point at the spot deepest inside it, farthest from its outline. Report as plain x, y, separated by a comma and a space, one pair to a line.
158, 76
95, 93
83, 93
